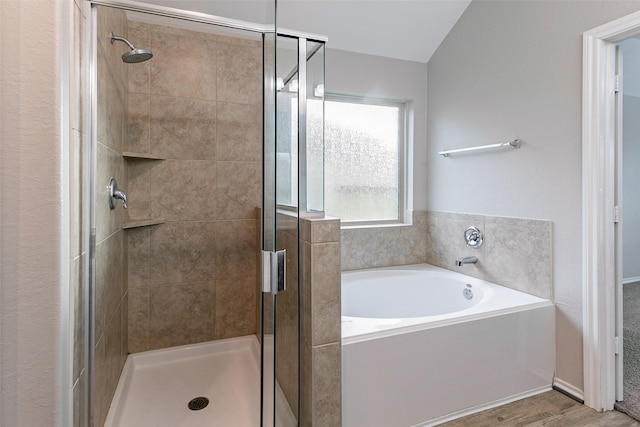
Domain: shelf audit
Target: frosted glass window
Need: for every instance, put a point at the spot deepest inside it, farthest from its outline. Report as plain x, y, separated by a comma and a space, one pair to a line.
364, 152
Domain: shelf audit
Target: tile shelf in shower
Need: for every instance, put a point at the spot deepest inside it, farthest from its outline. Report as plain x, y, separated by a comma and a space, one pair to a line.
132, 155
143, 222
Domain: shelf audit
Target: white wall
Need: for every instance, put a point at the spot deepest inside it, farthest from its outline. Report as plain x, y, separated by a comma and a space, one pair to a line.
379, 77
33, 294
514, 70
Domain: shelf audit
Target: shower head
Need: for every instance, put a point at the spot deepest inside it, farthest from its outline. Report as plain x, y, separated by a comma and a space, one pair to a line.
134, 55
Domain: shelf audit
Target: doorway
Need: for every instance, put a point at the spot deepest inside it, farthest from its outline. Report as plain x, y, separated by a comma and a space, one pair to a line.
602, 261
628, 174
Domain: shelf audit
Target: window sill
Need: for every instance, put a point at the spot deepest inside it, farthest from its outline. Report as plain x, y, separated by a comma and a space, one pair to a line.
374, 225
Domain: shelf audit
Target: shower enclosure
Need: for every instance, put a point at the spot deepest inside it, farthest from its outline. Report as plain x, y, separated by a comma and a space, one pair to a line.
210, 131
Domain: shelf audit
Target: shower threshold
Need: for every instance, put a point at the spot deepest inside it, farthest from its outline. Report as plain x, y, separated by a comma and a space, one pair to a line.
156, 386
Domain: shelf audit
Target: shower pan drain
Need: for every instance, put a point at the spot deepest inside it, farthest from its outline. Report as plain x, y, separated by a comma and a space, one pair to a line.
198, 403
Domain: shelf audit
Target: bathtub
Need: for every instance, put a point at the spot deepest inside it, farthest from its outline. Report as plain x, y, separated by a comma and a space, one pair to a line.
422, 345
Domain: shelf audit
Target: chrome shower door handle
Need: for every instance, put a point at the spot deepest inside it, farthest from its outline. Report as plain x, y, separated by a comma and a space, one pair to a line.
116, 193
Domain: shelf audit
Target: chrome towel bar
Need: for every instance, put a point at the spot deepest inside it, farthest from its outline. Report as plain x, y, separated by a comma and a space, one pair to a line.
510, 144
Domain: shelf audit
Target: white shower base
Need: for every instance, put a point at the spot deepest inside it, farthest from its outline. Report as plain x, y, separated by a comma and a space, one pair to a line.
156, 386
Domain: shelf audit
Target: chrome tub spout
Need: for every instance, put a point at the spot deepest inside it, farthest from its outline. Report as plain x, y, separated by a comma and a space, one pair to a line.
466, 260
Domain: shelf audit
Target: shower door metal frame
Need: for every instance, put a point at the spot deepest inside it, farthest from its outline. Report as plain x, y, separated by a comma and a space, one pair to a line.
91, 73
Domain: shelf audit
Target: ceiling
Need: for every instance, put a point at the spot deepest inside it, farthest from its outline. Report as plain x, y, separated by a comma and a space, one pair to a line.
403, 29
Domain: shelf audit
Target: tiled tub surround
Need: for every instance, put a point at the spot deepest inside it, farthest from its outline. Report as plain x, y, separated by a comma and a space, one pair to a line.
197, 105
111, 281
516, 253
370, 247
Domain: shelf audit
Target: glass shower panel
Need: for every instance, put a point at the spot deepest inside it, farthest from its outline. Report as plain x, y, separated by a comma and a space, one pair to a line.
314, 129
196, 131
268, 229
286, 308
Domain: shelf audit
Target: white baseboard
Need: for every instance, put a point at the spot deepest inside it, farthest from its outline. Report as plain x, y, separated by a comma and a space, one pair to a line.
568, 388
631, 280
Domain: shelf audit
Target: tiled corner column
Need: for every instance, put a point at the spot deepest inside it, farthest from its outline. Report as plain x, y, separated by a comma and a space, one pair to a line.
320, 378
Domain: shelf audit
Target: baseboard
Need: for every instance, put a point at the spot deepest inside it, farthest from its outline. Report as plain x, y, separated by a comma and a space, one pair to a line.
630, 280
568, 389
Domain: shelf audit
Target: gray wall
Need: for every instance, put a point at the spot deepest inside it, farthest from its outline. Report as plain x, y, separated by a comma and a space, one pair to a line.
513, 70
378, 77
630, 188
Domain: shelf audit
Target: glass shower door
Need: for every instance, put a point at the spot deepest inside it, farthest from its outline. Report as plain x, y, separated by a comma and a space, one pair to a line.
293, 188
280, 308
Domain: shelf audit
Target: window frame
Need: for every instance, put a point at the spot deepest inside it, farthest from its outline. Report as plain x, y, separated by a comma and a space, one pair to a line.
404, 156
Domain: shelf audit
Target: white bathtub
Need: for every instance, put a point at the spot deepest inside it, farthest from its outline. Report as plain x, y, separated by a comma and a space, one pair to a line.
417, 352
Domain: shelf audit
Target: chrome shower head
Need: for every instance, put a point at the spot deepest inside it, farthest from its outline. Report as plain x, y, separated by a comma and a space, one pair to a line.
134, 55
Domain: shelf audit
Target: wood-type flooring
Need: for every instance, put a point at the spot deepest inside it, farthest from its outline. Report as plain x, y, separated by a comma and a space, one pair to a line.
549, 409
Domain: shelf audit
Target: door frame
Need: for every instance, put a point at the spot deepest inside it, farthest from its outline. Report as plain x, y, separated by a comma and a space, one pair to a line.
598, 201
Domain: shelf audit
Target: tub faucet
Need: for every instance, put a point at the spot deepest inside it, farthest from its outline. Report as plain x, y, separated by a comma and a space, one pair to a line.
466, 260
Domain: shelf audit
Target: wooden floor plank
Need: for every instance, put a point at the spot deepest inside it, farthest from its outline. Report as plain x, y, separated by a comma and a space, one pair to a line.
549, 409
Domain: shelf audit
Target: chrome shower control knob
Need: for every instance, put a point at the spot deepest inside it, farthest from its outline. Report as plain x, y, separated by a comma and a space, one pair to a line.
473, 237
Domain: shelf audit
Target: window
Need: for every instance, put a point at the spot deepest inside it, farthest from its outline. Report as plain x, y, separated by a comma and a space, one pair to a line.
365, 160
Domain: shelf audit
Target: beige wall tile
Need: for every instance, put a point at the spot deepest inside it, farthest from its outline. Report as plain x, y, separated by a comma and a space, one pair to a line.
384, 246
238, 189
239, 132
185, 57
503, 258
138, 129
111, 106
183, 190
110, 164
181, 314
182, 252
235, 248
327, 386
112, 19
320, 230
445, 235
109, 280
113, 350
519, 254
325, 297
235, 307
139, 242
138, 333
287, 357
182, 128
239, 74
139, 74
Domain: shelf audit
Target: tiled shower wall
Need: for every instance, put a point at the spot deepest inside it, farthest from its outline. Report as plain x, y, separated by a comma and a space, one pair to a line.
516, 253
111, 284
197, 104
